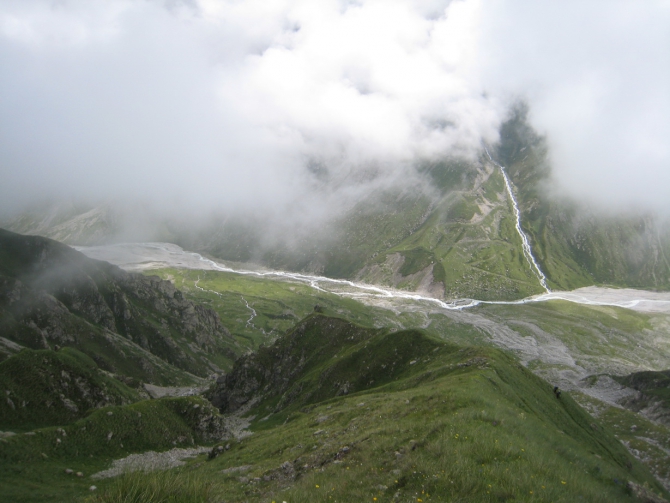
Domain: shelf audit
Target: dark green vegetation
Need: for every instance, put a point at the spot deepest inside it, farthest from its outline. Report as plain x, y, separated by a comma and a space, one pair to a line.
132, 325
33, 465
429, 421
651, 383
47, 388
342, 413
157, 487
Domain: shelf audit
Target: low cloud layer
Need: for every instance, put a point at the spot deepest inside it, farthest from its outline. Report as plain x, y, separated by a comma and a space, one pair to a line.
291, 106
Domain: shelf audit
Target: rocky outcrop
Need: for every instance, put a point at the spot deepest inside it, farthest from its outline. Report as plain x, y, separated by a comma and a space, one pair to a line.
52, 295
322, 357
272, 371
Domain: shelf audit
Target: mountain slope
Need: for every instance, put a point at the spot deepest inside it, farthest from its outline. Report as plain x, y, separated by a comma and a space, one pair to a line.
356, 414
51, 295
576, 245
47, 388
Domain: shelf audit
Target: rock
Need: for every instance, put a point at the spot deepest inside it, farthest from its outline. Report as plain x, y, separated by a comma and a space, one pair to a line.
109, 436
644, 494
92, 488
79, 474
342, 452
216, 451
69, 471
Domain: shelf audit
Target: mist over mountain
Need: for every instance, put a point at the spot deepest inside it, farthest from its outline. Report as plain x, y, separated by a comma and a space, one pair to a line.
292, 113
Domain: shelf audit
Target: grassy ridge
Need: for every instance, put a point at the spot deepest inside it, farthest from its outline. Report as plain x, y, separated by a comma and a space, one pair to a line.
446, 424
420, 419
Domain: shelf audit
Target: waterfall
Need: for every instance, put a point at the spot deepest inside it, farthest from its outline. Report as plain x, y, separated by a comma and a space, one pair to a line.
525, 243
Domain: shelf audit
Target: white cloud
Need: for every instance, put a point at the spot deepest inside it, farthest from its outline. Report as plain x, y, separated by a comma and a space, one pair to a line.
221, 102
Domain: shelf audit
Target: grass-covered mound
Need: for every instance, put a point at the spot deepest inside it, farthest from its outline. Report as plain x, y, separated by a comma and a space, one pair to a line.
47, 388
33, 464
421, 420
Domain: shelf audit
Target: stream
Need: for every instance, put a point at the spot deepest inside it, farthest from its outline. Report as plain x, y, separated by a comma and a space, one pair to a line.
146, 256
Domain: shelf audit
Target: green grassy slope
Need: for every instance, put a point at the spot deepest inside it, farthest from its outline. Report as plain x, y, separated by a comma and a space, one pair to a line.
420, 420
33, 464
277, 304
47, 388
345, 412
469, 245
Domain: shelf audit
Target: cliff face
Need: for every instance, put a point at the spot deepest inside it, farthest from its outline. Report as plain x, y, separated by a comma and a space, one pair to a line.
52, 295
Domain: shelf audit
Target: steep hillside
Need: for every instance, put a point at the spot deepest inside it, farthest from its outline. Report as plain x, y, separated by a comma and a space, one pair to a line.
47, 388
341, 412
575, 244
349, 413
133, 325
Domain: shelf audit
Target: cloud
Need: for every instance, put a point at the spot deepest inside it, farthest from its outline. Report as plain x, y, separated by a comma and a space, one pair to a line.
597, 75
220, 104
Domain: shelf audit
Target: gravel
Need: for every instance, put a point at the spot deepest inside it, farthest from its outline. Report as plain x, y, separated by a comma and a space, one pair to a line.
150, 461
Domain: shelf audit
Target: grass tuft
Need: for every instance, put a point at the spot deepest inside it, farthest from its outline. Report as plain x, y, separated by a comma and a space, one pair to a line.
155, 487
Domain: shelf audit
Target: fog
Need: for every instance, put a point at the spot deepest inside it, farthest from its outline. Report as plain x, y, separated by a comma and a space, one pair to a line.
297, 109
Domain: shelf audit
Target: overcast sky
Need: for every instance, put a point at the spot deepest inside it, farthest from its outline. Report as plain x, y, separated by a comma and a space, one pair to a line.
223, 103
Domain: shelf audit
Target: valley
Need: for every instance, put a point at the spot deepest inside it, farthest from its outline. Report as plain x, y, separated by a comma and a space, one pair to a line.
335, 252
572, 339
320, 363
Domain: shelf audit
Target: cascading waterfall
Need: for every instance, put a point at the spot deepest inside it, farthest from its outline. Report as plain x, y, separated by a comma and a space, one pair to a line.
525, 243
